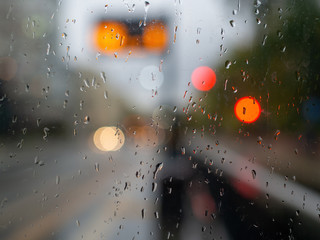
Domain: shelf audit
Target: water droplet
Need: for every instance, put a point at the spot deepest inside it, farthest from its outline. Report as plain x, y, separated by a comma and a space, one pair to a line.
86, 120
96, 167
264, 40
257, 3
65, 103
159, 167
38, 121
232, 23
46, 133
64, 35
81, 104
36, 160
183, 150
234, 89
244, 111
103, 76
254, 174
57, 180
227, 64
105, 94
160, 65
142, 213
78, 223
259, 140
86, 82
174, 109
154, 186
48, 49
14, 118
20, 144
276, 134
9, 11
146, 8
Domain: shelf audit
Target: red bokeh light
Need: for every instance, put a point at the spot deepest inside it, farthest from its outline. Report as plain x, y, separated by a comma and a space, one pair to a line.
203, 78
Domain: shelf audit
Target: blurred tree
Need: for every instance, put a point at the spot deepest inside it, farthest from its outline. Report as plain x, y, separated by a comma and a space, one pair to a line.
281, 70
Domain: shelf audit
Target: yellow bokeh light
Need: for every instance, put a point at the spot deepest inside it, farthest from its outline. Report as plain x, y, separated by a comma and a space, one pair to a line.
120, 137
108, 139
96, 139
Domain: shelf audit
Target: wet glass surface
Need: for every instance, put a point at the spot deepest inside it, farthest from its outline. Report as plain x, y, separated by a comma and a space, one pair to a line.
159, 119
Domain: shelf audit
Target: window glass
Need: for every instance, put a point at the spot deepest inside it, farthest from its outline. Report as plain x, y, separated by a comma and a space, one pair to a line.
159, 119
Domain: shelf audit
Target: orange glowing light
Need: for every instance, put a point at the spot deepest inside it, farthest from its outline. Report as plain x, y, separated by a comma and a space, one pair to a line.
203, 78
155, 37
247, 109
109, 37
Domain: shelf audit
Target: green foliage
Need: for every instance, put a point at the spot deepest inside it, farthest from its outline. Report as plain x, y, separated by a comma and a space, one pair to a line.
281, 70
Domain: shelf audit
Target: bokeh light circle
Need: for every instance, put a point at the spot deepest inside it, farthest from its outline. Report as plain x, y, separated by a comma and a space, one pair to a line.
109, 37
203, 78
96, 139
155, 37
150, 77
108, 139
120, 138
247, 109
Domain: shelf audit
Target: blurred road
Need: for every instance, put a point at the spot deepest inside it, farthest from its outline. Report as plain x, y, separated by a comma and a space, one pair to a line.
65, 189
54, 191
